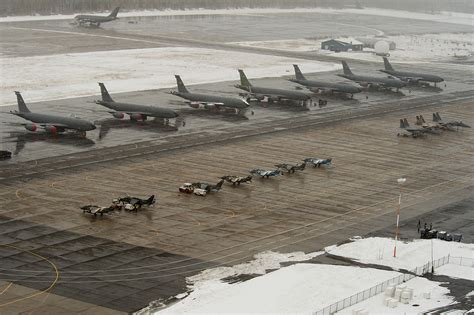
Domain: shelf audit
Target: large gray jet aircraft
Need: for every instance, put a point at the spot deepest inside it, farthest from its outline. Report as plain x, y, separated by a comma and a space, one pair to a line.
271, 94
320, 86
51, 123
210, 102
97, 19
369, 81
136, 112
410, 77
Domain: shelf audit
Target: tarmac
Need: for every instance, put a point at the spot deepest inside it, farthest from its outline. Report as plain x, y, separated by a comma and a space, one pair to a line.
55, 259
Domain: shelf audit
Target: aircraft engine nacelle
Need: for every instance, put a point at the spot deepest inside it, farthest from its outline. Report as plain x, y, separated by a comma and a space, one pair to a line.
194, 105
118, 115
137, 117
51, 129
31, 127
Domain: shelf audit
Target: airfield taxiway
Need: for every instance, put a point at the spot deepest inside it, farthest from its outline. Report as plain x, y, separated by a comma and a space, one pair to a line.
55, 259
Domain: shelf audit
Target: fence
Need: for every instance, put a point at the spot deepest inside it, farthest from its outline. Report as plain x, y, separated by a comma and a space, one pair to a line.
379, 288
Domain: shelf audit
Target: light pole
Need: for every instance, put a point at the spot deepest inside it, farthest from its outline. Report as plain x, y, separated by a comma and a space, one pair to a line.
400, 181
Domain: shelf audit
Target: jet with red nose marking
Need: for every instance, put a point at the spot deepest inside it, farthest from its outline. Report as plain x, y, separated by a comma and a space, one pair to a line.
51, 123
135, 112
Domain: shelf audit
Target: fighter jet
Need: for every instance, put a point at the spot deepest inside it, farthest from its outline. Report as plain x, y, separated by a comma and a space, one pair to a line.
369, 81
96, 19
318, 162
455, 123
415, 132
215, 102
134, 203
271, 94
320, 86
51, 123
94, 209
136, 112
201, 189
289, 168
410, 77
420, 121
266, 174
237, 180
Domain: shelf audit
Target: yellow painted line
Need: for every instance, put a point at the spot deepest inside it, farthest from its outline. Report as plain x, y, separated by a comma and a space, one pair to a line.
7, 287
51, 286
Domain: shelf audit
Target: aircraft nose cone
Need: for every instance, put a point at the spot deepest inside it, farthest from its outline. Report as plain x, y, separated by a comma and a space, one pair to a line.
92, 127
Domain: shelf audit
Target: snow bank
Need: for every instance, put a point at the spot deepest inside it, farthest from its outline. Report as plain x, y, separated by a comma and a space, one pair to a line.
377, 250
456, 271
444, 17
297, 289
45, 78
419, 285
410, 48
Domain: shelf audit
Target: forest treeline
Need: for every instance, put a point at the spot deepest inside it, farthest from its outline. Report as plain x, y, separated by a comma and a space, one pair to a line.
47, 7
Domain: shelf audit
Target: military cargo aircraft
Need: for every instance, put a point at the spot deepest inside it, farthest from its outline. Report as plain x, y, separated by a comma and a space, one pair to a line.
135, 112
318, 162
211, 102
410, 77
265, 173
290, 168
50, 123
237, 180
271, 94
95, 20
323, 87
452, 123
370, 81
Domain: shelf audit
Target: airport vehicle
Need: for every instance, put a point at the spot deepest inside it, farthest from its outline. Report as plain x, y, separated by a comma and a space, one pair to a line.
95, 20
410, 77
50, 123
270, 94
134, 203
323, 87
371, 81
291, 168
95, 210
266, 173
237, 180
211, 102
452, 123
5, 154
135, 112
316, 162
428, 234
415, 132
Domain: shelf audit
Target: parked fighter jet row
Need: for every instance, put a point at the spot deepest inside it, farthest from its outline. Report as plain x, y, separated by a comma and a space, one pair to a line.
202, 189
424, 128
136, 112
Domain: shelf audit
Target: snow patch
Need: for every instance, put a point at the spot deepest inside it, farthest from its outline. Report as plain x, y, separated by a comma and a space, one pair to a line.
456, 271
44, 78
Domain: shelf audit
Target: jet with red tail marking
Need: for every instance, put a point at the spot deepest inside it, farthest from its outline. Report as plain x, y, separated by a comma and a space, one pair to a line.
51, 123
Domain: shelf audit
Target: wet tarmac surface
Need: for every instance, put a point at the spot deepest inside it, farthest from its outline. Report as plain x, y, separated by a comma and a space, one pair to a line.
84, 263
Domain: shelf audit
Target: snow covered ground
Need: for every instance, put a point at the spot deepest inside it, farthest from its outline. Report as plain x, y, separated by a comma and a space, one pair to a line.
304, 288
410, 48
43, 78
444, 17
378, 250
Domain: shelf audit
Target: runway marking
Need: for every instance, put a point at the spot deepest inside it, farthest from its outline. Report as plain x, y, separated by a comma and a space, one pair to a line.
90, 35
6, 288
48, 289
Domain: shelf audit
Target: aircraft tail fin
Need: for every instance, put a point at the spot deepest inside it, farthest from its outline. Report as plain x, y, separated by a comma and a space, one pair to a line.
21, 103
422, 119
405, 122
346, 68
181, 87
436, 117
150, 200
402, 124
419, 121
387, 64
114, 12
105, 94
298, 74
243, 79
